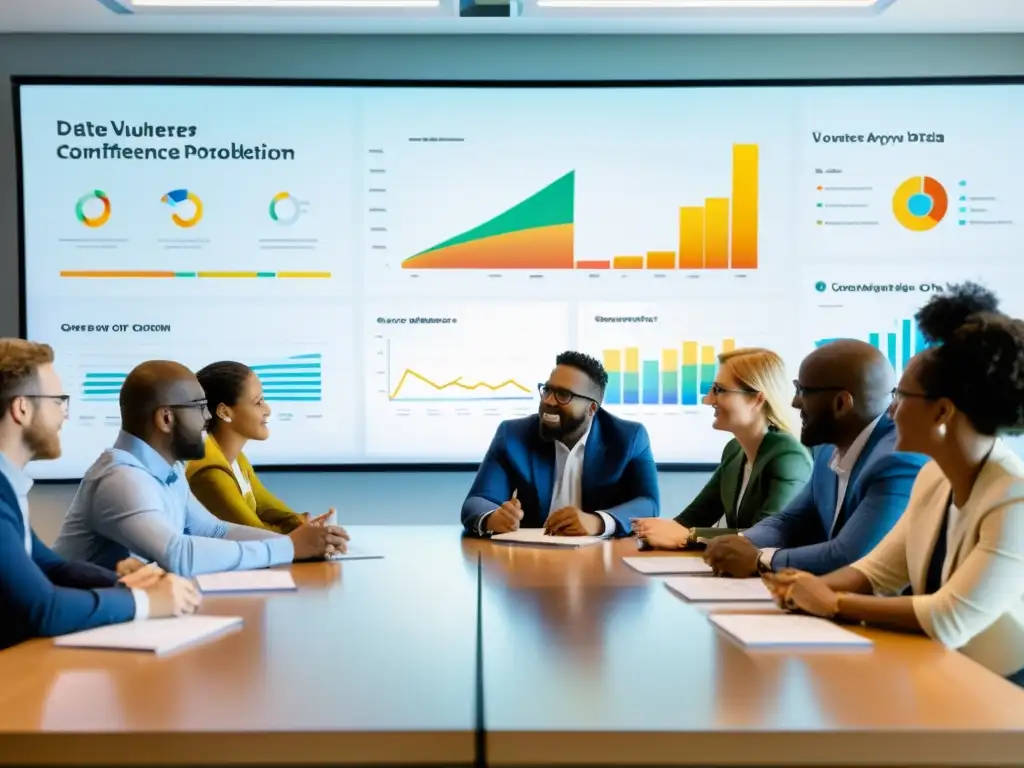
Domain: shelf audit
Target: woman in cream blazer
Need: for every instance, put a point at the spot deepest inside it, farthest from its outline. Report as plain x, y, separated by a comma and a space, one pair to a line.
959, 545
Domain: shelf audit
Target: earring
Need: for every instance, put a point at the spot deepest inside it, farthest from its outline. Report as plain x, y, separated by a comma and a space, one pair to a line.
226, 419
942, 431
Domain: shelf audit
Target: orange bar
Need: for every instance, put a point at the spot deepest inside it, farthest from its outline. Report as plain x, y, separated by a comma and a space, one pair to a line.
716, 233
661, 259
593, 265
628, 262
691, 238
114, 273
744, 206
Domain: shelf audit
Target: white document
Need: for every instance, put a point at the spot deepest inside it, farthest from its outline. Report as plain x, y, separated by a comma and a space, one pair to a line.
263, 580
654, 566
154, 635
715, 589
770, 631
354, 553
537, 536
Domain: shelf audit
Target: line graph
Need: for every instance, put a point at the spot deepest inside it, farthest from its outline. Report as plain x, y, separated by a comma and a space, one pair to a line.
444, 376
455, 389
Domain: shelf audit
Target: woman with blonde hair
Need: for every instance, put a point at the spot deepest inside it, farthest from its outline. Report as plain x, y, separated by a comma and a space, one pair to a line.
762, 468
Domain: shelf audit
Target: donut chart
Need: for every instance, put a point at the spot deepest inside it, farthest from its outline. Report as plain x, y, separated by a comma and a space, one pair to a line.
93, 221
920, 203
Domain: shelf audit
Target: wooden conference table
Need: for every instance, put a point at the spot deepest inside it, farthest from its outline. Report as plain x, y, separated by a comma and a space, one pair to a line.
454, 651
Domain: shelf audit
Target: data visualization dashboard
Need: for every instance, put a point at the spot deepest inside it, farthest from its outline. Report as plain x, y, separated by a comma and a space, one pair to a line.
401, 265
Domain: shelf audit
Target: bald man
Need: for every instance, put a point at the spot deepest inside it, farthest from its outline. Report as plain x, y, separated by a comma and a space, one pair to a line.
859, 485
135, 501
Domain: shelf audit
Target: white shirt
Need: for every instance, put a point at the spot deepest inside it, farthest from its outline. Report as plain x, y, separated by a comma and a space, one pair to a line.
243, 482
744, 480
568, 489
843, 463
22, 484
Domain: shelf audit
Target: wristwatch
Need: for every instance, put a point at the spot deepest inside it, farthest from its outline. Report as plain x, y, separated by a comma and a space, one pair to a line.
764, 560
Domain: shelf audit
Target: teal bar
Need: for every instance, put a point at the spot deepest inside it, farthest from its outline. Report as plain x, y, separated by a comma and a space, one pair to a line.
651, 382
631, 389
670, 388
690, 385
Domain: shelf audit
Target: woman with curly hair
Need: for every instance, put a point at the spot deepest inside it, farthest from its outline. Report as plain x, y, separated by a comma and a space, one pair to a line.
959, 545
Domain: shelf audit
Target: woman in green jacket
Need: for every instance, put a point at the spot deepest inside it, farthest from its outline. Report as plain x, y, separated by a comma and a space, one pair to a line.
763, 467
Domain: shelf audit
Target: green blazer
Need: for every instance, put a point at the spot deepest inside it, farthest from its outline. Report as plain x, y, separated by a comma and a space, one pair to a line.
780, 471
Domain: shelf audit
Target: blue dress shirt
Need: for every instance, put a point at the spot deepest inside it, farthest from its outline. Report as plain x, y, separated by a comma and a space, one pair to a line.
131, 502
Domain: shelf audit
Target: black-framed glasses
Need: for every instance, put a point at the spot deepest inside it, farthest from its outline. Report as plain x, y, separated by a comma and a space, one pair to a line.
63, 400
562, 395
717, 389
899, 394
201, 405
802, 390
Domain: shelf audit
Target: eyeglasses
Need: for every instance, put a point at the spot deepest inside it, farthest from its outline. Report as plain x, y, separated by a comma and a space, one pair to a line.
899, 394
718, 389
201, 405
561, 395
63, 400
801, 390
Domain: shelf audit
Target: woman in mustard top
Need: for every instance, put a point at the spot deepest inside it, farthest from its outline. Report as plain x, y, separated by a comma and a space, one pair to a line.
224, 480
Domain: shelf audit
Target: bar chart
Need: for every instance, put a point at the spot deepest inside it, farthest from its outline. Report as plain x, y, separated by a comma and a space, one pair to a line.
898, 345
720, 234
677, 376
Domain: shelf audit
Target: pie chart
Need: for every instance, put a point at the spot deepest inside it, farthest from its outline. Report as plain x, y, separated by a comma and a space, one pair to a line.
920, 203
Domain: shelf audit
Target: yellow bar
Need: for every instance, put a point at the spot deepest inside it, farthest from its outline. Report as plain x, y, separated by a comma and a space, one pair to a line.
669, 360
228, 274
632, 360
744, 206
716, 233
661, 259
689, 353
728, 345
691, 238
317, 275
613, 360
628, 262
707, 355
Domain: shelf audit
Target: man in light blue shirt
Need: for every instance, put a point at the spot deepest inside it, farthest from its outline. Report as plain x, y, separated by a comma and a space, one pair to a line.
135, 500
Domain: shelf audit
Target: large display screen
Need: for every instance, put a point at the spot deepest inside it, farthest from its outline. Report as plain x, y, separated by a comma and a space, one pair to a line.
401, 265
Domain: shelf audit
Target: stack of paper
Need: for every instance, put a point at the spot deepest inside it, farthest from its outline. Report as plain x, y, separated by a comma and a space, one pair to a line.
154, 635
771, 631
537, 536
246, 581
702, 588
654, 566
354, 553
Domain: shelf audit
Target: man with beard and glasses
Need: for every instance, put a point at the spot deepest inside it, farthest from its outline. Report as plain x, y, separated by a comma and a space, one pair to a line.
135, 499
573, 469
41, 594
859, 484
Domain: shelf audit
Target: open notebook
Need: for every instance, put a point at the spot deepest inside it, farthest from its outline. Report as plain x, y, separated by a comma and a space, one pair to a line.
759, 631
157, 636
537, 537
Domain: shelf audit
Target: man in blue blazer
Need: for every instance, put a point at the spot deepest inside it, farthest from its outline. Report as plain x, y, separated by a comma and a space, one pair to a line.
859, 485
573, 468
41, 594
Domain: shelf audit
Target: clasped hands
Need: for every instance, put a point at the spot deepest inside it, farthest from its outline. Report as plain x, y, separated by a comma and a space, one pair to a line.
168, 595
567, 521
802, 592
